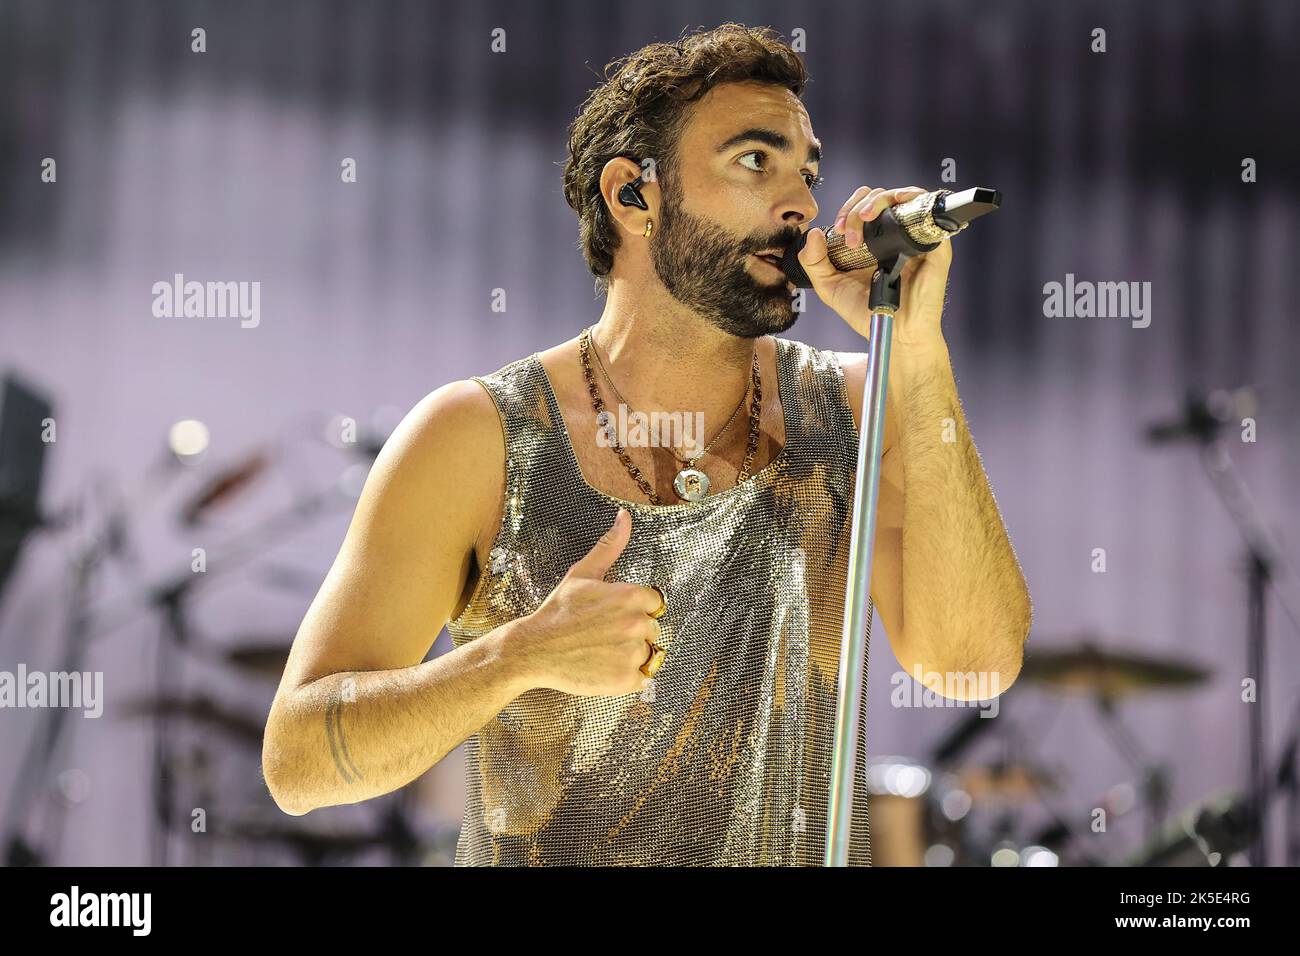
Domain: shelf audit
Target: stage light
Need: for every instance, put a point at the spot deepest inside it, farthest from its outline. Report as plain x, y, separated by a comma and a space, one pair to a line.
188, 439
955, 804
1005, 856
1038, 856
939, 855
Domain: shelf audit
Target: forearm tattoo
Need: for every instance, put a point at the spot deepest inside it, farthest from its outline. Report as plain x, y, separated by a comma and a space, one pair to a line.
334, 731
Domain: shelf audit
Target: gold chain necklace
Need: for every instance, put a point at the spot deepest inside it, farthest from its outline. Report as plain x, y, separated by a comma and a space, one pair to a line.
690, 484
689, 462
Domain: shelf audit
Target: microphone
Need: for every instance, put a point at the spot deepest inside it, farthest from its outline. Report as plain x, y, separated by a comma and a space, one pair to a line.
910, 228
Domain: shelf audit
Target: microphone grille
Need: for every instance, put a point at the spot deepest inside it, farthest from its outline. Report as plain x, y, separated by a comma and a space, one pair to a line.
845, 258
916, 217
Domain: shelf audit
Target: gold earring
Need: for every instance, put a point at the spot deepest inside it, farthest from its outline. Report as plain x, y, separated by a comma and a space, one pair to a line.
649, 227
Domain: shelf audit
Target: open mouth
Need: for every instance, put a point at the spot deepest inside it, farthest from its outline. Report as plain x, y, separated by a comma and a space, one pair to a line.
772, 261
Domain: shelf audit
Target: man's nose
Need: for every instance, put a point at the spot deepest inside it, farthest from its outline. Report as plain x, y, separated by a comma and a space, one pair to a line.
798, 209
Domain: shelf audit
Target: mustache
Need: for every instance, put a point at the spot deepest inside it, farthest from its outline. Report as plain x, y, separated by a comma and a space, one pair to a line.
780, 241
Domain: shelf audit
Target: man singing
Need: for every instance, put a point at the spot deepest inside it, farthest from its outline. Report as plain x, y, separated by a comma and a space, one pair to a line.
646, 631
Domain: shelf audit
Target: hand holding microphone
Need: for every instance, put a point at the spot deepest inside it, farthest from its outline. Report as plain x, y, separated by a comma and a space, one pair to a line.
877, 225
908, 221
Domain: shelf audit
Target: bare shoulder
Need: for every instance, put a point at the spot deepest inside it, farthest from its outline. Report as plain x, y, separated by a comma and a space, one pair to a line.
458, 422
447, 457
409, 550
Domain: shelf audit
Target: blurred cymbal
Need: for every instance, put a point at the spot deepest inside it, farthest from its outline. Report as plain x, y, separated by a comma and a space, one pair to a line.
226, 484
1087, 667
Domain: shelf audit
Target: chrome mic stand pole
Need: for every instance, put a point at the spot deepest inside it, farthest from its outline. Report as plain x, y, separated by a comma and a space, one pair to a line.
884, 301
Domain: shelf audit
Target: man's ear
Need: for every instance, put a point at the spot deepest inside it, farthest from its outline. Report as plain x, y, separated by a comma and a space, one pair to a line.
622, 184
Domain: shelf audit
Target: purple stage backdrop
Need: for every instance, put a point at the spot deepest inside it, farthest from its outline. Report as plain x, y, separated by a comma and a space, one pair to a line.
1128, 165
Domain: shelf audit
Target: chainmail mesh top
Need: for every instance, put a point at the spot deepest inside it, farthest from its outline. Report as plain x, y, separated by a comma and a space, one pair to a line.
724, 759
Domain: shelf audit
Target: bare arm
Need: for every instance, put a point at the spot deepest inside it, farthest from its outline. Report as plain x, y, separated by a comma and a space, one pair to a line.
965, 608
347, 737
359, 712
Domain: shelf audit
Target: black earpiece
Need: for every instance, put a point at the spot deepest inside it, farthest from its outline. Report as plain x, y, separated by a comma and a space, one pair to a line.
630, 194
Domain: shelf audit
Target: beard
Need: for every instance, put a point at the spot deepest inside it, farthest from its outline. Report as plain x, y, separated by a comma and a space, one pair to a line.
704, 267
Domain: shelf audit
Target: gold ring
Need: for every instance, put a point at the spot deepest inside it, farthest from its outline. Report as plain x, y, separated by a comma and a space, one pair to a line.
654, 661
663, 604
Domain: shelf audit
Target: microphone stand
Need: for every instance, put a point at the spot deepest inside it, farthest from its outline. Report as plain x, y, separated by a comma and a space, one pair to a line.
1260, 557
911, 228
886, 288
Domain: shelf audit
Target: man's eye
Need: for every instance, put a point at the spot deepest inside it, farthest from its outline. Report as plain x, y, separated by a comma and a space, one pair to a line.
812, 179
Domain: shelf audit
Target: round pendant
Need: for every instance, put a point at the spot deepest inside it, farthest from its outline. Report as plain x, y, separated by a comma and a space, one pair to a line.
691, 484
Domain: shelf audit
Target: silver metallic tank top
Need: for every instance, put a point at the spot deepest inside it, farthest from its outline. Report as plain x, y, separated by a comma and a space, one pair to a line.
725, 758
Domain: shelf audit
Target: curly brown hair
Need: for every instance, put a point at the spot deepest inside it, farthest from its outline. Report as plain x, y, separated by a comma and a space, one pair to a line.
640, 109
